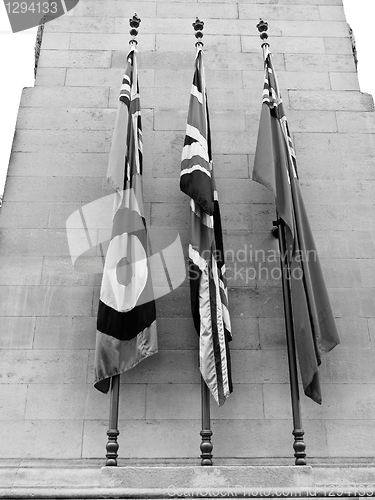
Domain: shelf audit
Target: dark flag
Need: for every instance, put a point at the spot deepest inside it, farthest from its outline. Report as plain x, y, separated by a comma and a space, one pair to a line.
275, 167
126, 326
208, 289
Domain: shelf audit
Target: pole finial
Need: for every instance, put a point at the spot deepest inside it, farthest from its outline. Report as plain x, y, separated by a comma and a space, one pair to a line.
198, 27
134, 22
262, 28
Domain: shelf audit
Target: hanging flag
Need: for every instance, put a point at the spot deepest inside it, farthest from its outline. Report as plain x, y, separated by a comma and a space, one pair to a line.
126, 325
275, 167
208, 289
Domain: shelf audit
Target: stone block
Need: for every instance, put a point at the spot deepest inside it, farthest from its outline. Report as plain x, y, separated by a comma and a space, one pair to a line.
331, 13
182, 438
75, 58
82, 77
33, 242
341, 273
266, 438
335, 29
213, 43
314, 121
66, 119
16, 333
231, 166
45, 300
84, 24
95, 141
60, 271
171, 215
345, 244
50, 189
261, 302
296, 2
115, 9
282, 45
14, 215
41, 439
90, 97
81, 402
206, 10
335, 101
236, 217
258, 367
56, 41
176, 334
358, 436
278, 12
65, 332
20, 270
320, 63
344, 81
340, 401
245, 333
353, 333
111, 41
341, 366
219, 121
272, 333
13, 401
58, 164
48, 77
338, 45
43, 367
367, 272
178, 400
360, 122
335, 166
301, 80
343, 143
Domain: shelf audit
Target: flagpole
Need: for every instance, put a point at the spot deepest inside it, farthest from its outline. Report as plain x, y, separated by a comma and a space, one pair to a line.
113, 432
279, 232
206, 432
298, 432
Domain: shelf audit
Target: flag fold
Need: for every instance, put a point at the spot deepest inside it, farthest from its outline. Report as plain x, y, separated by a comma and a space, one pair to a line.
126, 323
208, 289
275, 167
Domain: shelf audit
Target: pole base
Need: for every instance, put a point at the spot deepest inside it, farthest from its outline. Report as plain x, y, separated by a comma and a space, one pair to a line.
206, 447
299, 447
112, 448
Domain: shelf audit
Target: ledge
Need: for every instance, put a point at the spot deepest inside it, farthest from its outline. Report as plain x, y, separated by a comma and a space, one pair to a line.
87, 480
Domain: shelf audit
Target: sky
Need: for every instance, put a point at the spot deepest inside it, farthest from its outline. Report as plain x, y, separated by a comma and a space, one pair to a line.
17, 66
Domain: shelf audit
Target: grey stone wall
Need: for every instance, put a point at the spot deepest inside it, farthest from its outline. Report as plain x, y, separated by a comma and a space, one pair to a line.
47, 330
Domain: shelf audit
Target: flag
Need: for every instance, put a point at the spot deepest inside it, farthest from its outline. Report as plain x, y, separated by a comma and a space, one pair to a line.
275, 167
208, 289
126, 324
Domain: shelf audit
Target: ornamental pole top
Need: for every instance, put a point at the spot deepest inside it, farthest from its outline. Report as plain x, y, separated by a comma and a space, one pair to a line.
134, 22
263, 28
198, 27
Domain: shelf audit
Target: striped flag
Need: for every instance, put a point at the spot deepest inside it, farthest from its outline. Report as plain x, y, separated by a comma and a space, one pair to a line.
275, 167
208, 290
126, 325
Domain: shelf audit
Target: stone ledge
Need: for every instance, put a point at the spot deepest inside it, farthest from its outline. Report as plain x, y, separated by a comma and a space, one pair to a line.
49, 480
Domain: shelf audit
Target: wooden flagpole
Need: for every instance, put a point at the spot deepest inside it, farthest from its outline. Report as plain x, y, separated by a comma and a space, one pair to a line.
113, 432
206, 432
279, 232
